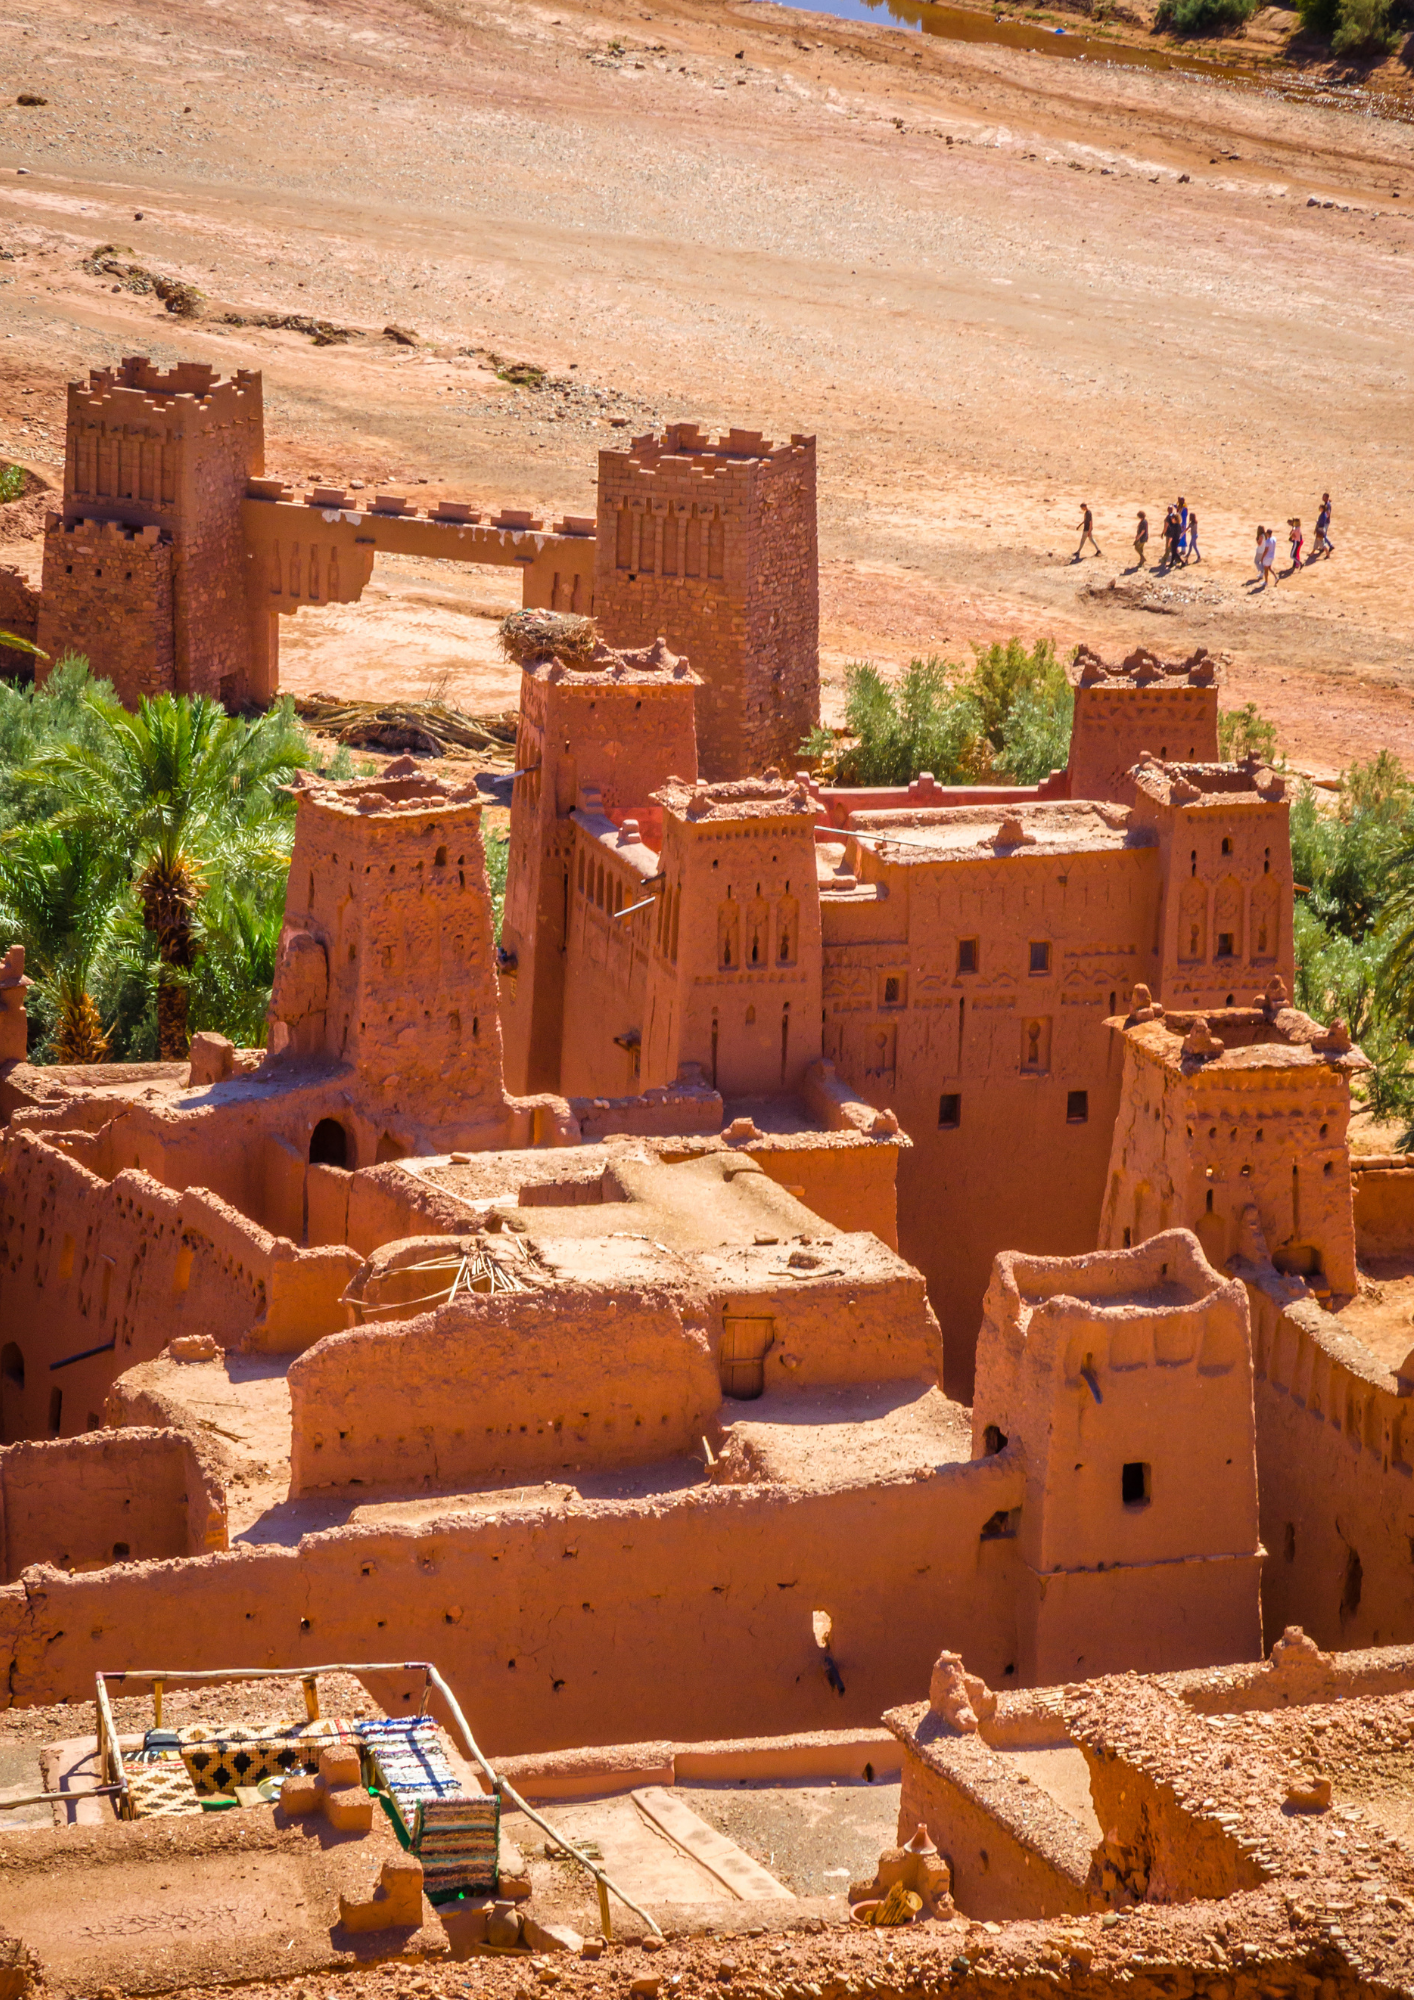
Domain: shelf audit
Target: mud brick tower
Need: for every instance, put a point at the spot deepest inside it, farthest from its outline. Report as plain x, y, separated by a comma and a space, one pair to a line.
386, 956
1141, 705
1128, 1374
714, 547
144, 569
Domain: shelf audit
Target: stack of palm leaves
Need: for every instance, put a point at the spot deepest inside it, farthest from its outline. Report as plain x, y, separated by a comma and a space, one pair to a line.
426, 728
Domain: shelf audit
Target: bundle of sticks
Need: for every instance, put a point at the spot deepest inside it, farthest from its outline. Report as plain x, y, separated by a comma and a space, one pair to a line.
427, 728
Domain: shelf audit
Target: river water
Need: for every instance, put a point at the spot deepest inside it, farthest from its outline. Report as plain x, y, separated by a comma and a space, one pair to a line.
966, 24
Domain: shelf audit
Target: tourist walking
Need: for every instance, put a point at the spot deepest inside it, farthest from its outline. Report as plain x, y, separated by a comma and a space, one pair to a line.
1323, 545
1087, 532
1193, 553
1259, 559
1297, 544
1269, 557
1181, 539
1141, 537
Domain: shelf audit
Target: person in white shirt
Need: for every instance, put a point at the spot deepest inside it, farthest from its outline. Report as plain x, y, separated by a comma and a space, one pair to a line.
1269, 558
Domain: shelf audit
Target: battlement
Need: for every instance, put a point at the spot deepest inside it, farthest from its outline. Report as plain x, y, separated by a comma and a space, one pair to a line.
403, 791
1143, 669
90, 536
649, 667
1225, 785
194, 383
684, 445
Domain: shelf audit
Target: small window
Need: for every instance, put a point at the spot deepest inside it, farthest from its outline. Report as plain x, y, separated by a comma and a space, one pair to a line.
1227, 844
1077, 1107
949, 1110
891, 990
56, 1411
993, 1441
1134, 1484
967, 954
1225, 942
1002, 1525
1040, 958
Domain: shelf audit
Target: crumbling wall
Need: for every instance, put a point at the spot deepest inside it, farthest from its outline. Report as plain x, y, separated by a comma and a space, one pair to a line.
687, 1614
1013, 1853
107, 1497
1383, 1189
97, 1275
502, 1386
19, 613
1335, 1471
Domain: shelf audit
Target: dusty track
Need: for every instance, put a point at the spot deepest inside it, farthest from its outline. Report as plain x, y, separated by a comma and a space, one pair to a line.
982, 334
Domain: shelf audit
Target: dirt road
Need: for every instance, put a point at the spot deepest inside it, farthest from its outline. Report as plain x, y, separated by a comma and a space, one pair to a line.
994, 286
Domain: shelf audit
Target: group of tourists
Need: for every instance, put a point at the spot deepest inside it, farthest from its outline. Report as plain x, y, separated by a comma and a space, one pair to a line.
1180, 536
1265, 559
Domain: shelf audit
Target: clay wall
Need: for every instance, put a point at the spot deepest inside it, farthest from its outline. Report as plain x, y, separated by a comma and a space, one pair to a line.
107, 1497
734, 981
1224, 917
603, 739
386, 957
714, 546
839, 803
107, 594
1117, 720
172, 450
1002, 1147
501, 1387
1012, 1852
1335, 1462
1198, 1142
109, 1272
1383, 1201
579, 1621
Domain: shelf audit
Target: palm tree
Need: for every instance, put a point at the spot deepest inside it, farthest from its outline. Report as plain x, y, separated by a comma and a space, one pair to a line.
58, 898
180, 793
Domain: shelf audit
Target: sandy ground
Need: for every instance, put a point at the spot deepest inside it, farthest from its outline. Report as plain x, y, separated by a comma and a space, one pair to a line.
741, 213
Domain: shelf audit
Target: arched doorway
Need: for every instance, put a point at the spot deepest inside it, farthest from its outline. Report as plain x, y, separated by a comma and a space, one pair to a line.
329, 1144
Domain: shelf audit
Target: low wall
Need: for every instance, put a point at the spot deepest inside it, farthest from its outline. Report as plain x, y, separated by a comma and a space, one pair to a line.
1013, 1852
687, 1614
97, 1275
1383, 1190
503, 1386
1335, 1475
840, 802
107, 1497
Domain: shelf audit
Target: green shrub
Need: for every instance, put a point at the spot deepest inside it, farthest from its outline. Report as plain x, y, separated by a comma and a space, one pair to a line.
1204, 17
1363, 29
12, 482
1319, 17
1243, 732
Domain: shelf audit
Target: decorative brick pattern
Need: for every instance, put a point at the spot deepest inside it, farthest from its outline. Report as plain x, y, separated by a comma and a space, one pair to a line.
107, 594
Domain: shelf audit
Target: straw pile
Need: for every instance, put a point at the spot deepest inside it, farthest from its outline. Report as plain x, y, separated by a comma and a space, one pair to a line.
427, 728
538, 635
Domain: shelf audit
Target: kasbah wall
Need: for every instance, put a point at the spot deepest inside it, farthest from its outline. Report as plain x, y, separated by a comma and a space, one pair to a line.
986, 970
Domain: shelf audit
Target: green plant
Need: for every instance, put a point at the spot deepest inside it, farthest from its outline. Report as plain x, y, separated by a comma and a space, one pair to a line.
923, 723
1319, 17
1204, 17
58, 898
498, 861
1362, 28
1245, 732
12, 482
186, 796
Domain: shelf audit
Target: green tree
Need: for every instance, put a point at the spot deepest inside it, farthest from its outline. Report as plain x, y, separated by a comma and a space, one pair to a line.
185, 794
59, 890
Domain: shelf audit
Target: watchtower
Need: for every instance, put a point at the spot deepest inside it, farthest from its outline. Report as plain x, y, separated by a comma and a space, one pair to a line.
144, 567
386, 957
714, 546
1124, 1379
